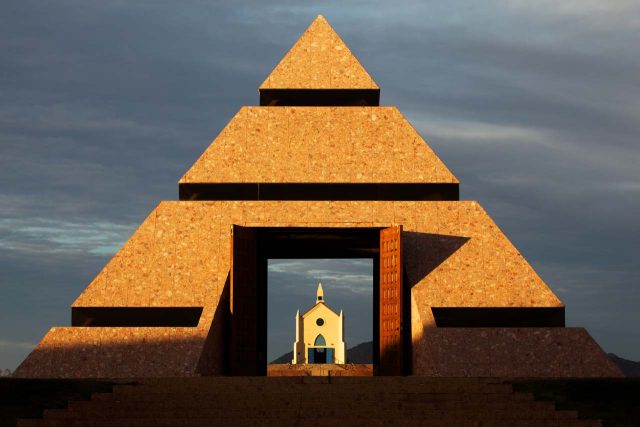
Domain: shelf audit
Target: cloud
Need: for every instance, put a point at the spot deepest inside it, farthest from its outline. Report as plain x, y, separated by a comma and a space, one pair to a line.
592, 13
480, 133
342, 277
37, 236
16, 345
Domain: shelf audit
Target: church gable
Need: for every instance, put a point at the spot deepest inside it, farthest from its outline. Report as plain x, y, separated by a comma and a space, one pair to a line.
319, 310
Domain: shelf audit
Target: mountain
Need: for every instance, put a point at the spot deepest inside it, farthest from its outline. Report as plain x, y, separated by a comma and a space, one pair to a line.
628, 367
361, 353
285, 358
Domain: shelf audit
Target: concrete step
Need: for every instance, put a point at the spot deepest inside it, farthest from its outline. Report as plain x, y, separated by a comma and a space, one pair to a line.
389, 415
268, 381
329, 422
182, 389
383, 405
353, 401
311, 380
328, 395
277, 399
298, 402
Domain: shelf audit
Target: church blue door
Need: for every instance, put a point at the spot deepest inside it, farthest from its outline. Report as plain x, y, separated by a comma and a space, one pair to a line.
320, 355
329, 355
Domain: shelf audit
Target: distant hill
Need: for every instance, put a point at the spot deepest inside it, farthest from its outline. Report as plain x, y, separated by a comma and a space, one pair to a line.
361, 353
285, 358
628, 367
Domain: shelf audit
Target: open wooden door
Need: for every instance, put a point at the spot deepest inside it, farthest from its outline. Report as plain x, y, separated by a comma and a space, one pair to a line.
391, 356
243, 355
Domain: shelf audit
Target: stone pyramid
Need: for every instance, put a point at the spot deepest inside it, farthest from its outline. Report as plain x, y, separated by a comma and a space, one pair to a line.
319, 60
319, 169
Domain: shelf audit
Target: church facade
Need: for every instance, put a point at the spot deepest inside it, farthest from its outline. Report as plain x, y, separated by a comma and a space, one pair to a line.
319, 334
318, 170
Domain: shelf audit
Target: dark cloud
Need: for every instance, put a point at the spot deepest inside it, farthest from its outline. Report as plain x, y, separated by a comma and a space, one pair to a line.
36, 289
535, 107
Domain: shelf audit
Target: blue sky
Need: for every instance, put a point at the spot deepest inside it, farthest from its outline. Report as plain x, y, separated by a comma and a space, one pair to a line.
535, 106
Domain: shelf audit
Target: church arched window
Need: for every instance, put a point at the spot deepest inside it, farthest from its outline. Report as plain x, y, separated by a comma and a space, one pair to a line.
320, 341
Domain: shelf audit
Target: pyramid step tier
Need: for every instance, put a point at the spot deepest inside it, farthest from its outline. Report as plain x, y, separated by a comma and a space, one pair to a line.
324, 145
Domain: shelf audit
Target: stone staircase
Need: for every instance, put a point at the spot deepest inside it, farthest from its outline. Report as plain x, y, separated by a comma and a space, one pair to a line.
311, 401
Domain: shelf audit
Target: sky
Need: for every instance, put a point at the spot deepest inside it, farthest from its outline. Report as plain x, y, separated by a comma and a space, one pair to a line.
535, 107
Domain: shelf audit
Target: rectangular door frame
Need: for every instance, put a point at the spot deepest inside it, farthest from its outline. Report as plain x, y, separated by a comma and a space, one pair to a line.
248, 325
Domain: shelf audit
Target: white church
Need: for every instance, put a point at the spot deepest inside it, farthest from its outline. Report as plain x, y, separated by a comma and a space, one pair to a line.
319, 334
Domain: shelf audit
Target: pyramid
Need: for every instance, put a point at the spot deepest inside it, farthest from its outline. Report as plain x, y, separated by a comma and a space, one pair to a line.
318, 170
319, 70
319, 60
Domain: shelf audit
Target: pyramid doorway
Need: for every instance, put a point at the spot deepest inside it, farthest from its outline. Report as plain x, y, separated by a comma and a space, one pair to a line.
251, 249
301, 315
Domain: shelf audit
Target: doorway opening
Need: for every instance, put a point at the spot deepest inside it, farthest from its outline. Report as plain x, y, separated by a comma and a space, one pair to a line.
253, 247
294, 321
320, 355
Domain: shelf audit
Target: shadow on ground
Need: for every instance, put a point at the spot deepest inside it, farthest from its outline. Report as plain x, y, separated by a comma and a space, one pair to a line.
28, 398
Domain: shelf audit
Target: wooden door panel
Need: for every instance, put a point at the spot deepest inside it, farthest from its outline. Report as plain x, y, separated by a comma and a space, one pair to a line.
391, 301
244, 301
